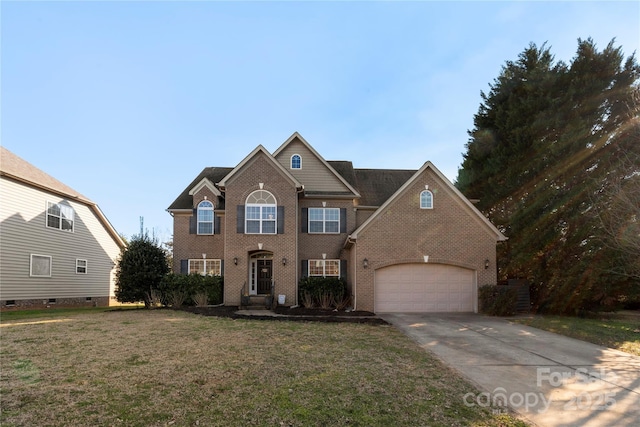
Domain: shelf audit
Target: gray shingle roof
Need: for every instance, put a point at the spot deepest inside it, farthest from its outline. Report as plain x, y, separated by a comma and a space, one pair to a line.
213, 174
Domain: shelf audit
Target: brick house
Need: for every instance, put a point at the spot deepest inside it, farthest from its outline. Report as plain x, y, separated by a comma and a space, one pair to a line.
404, 240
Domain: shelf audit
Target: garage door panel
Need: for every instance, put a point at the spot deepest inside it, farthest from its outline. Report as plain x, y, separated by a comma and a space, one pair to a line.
424, 288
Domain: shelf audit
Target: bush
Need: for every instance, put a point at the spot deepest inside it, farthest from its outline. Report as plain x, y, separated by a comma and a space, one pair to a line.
497, 300
191, 289
326, 292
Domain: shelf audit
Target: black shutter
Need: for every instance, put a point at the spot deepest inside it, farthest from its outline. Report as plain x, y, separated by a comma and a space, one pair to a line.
280, 224
216, 225
222, 267
343, 269
193, 222
304, 220
184, 266
343, 220
304, 268
240, 219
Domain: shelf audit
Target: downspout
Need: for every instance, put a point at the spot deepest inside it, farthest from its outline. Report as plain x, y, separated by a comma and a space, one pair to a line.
297, 262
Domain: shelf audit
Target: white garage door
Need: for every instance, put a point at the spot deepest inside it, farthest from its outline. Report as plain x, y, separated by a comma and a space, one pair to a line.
424, 288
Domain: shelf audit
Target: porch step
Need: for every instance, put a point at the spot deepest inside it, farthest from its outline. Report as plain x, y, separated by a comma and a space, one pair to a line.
256, 302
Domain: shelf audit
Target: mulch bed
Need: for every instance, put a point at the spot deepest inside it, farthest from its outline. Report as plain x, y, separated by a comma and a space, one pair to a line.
295, 314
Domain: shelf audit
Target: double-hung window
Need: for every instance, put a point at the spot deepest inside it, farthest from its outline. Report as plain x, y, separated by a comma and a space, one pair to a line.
81, 266
205, 217
205, 267
324, 220
324, 267
260, 213
60, 216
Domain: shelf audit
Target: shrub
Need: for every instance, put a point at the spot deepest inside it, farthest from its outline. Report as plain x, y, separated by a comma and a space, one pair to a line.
322, 291
497, 300
191, 289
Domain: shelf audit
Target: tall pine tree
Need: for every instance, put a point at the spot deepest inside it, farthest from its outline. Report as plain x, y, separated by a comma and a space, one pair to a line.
544, 158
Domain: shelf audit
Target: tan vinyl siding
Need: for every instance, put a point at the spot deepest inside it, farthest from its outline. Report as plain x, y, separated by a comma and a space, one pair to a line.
24, 232
314, 175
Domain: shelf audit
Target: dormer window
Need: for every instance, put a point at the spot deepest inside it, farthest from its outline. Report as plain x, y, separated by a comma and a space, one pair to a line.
205, 217
296, 161
426, 200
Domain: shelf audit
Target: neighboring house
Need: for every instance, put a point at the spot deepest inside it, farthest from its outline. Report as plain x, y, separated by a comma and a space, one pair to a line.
56, 246
404, 240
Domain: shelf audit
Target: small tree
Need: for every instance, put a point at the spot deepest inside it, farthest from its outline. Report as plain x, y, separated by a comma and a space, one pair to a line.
141, 267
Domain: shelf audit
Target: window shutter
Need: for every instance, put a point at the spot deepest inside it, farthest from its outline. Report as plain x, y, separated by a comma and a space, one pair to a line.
193, 222
343, 269
304, 268
343, 220
184, 266
280, 224
240, 219
216, 225
304, 220
222, 267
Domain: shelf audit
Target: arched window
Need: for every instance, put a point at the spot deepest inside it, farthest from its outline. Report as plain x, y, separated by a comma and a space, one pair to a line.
426, 200
296, 161
205, 217
260, 213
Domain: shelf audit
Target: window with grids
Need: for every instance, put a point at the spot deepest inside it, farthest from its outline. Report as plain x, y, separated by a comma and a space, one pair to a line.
260, 213
296, 161
60, 216
205, 267
324, 267
205, 217
426, 200
324, 220
81, 266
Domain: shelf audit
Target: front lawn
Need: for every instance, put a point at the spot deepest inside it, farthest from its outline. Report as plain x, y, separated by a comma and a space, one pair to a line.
613, 331
164, 367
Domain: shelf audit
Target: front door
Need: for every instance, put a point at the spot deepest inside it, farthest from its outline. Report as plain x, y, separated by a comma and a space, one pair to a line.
265, 268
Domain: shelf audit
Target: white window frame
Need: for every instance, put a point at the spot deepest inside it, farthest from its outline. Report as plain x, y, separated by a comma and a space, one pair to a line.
210, 267
203, 209
79, 266
426, 199
61, 217
322, 263
31, 274
324, 220
299, 163
263, 203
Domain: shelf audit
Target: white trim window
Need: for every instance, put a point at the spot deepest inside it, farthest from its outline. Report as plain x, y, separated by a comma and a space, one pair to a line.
60, 217
205, 267
324, 220
426, 199
81, 266
296, 161
40, 266
205, 217
324, 267
260, 213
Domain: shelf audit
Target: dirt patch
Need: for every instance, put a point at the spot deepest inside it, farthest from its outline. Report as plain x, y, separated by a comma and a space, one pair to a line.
293, 314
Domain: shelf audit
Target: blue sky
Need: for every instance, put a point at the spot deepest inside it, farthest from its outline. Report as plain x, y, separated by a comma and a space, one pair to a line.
127, 102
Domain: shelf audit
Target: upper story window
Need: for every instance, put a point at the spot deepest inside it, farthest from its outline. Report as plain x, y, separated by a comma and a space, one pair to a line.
296, 161
260, 213
324, 220
205, 217
426, 200
324, 267
60, 216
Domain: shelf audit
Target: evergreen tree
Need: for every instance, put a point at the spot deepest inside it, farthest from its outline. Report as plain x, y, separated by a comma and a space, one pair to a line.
543, 156
141, 267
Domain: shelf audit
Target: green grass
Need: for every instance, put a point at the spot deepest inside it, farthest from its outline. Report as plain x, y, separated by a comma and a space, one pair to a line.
164, 367
618, 332
11, 315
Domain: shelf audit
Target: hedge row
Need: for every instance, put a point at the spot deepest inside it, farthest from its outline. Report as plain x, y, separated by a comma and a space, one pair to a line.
190, 289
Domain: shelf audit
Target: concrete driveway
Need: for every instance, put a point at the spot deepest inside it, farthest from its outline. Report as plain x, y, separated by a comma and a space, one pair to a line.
549, 379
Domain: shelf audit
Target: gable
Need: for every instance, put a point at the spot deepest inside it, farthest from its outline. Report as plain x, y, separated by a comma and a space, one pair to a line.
450, 206
316, 174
